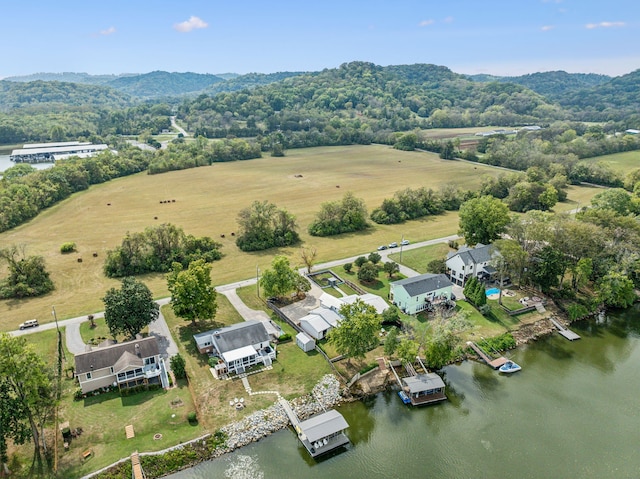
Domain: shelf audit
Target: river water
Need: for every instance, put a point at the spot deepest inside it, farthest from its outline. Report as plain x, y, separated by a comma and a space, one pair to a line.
6, 163
572, 412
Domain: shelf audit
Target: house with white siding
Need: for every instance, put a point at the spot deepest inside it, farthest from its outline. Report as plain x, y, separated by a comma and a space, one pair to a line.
471, 261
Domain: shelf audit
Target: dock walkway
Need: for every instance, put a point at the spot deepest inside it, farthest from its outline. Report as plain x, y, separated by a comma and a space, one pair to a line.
494, 363
567, 333
295, 422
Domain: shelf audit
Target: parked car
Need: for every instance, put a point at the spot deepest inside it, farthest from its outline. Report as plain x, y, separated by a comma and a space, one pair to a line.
381, 247
32, 323
393, 245
405, 242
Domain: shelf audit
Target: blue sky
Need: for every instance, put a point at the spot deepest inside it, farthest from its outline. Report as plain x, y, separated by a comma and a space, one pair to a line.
212, 36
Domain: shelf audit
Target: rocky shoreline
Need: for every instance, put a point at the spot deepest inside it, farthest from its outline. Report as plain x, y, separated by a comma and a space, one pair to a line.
325, 395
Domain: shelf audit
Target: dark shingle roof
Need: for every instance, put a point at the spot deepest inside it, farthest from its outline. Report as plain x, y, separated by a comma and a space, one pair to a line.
106, 357
480, 253
425, 283
239, 335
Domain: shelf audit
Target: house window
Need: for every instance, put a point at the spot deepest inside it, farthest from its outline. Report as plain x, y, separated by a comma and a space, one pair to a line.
88, 375
111, 369
151, 360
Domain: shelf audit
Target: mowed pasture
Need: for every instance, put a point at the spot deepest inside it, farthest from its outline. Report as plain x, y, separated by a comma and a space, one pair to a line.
621, 163
207, 202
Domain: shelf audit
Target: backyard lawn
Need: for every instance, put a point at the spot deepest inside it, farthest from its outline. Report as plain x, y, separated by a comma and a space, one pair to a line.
418, 259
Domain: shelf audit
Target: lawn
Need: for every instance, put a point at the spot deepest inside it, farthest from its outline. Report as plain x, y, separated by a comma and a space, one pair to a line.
101, 332
104, 417
418, 259
379, 286
97, 219
622, 163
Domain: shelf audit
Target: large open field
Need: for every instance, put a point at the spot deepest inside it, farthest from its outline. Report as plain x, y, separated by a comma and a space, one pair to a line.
622, 163
207, 201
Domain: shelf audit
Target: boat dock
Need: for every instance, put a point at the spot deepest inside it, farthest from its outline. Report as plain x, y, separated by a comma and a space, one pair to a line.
567, 333
321, 433
136, 468
494, 363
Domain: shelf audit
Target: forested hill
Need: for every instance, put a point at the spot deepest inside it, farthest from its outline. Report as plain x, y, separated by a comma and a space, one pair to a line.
69, 77
250, 80
395, 98
620, 97
163, 84
55, 95
553, 85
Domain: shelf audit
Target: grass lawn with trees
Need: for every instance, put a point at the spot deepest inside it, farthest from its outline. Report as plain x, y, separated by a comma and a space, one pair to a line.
418, 259
98, 219
622, 163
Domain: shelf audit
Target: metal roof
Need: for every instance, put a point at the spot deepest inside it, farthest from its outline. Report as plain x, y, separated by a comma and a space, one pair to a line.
424, 283
59, 149
54, 144
316, 322
423, 382
323, 425
239, 353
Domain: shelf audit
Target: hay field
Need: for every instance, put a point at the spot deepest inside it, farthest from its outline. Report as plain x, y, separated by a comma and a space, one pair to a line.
621, 163
207, 201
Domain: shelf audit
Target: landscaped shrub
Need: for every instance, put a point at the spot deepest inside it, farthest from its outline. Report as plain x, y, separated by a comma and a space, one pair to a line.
178, 366
192, 418
68, 247
283, 338
212, 362
78, 394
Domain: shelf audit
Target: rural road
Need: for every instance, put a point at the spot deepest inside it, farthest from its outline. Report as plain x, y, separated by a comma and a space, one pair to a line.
178, 127
160, 329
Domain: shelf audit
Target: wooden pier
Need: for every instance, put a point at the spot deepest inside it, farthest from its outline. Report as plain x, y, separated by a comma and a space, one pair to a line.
136, 468
494, 363
567, 333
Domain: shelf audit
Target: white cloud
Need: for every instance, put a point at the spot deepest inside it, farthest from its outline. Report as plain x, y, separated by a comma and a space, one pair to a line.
448, 20
546, 28
108, 31
426, 23
591, 26
193, 23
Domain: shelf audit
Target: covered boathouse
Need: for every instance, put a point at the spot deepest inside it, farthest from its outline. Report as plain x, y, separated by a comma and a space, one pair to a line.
50, 152
424, 388
323, 432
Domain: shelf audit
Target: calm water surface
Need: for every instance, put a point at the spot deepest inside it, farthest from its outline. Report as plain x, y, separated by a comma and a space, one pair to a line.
6, 163
572, 412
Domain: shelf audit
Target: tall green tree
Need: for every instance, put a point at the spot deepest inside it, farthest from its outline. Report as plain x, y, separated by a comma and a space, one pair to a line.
28, 275
483, 219
357, 333
616, 290
193, 296
26, 393
280, 279
263, 226
129, 309
368, 272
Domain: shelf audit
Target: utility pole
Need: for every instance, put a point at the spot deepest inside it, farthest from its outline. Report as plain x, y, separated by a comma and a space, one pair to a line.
401, 246
258, 280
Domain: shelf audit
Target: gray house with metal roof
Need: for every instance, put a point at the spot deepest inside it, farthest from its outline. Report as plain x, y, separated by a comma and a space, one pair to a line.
413, 295
237, 347
122, 364
471, 261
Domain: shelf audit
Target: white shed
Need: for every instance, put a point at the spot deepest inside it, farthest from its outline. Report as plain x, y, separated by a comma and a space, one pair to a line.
305, 343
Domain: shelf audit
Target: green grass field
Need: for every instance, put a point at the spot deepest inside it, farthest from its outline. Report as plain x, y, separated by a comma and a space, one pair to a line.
622, 163
418, 259
208, 200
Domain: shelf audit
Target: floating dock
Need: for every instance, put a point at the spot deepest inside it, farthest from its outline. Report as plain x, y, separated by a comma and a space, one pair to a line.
494, 363
567, 333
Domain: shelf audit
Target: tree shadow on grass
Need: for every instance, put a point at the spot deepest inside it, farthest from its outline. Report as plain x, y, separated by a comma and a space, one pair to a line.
186, 332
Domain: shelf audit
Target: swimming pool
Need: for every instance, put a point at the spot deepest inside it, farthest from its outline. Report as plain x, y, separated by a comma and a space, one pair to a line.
491, 291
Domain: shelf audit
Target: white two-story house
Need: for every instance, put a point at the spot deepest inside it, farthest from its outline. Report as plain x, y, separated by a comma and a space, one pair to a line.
471, 261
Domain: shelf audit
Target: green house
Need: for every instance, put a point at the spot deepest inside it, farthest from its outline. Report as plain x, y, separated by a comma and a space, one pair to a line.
420, 293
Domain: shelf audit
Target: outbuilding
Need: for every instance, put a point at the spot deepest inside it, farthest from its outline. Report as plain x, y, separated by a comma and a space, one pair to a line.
305, 343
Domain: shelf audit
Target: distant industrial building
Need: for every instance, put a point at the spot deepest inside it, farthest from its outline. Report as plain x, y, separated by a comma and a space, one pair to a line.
50, 152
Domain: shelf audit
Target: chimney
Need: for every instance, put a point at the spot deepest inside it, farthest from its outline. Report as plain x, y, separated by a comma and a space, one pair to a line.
137, 346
